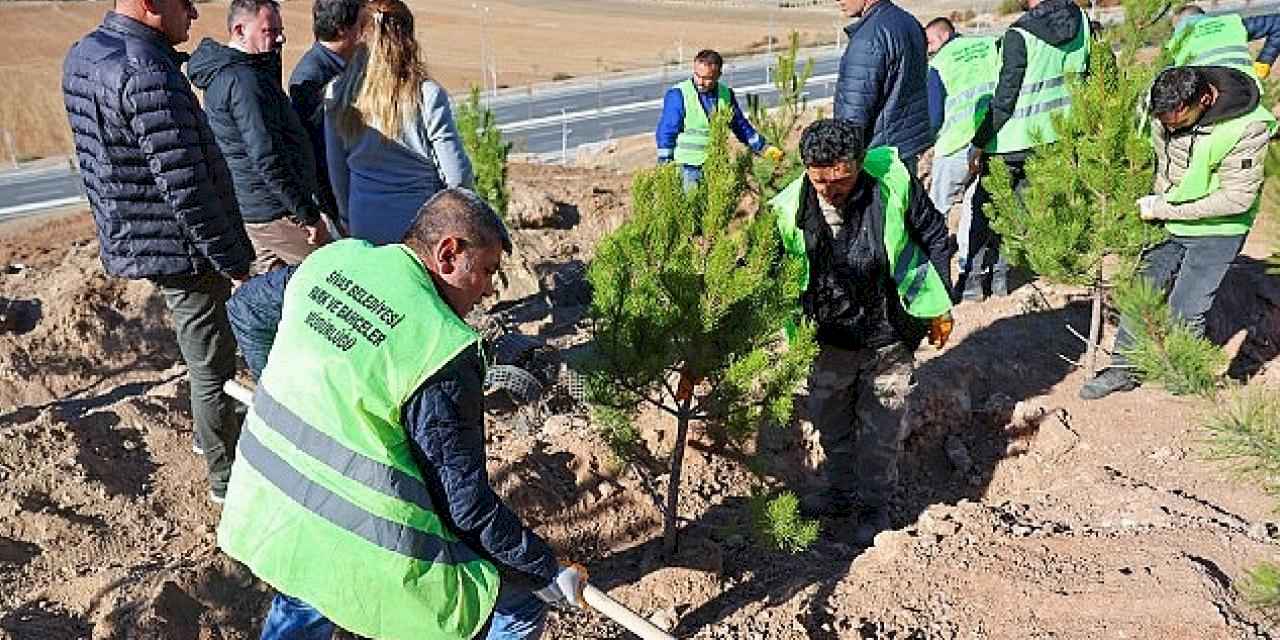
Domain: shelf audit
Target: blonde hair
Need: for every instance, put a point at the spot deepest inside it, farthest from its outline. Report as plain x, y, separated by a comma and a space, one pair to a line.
382, 86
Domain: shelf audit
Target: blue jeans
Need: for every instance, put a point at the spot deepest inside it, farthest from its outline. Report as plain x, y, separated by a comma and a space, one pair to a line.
518, 615
690, 176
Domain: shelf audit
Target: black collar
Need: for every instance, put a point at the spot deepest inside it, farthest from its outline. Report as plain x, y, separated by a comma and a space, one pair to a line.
126, 26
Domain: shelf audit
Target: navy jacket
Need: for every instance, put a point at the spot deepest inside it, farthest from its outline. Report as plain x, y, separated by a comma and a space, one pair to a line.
1266, 26
157, 183
262, 137
306, 91
881, 85
444, 420
671, 124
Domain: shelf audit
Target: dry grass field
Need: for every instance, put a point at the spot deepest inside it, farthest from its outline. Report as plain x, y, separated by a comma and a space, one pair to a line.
532, 40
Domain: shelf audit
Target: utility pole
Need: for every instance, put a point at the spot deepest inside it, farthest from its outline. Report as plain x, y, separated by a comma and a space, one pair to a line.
564, 138
8, 144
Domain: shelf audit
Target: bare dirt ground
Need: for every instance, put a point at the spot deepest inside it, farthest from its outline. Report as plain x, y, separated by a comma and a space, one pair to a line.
1022, 513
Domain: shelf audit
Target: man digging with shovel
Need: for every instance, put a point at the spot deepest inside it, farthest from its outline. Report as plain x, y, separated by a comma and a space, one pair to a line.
359, 490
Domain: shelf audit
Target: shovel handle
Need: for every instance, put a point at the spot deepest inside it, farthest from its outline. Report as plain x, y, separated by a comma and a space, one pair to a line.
597, 599
616, 611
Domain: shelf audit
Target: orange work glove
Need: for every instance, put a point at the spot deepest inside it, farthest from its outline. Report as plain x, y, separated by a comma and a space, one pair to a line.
940, 330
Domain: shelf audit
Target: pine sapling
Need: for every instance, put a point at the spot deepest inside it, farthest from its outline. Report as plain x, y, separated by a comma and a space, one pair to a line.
484, 146
688, 311
777, 126
777, 523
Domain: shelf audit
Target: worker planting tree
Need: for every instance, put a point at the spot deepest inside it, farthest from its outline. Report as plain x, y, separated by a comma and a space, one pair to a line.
689, 309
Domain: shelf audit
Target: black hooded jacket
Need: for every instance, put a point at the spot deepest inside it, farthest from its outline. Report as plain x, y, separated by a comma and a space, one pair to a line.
259, 132
1057, 22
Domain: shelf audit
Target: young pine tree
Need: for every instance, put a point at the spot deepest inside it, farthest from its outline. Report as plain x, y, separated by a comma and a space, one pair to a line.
688, 312
1077, 213
789, 77
484, 145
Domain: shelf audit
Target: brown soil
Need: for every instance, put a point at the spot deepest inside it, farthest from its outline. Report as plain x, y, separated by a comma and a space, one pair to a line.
1072, 520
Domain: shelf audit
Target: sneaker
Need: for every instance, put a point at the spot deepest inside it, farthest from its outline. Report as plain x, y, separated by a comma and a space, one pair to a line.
218, 498
1107, 383
826, 503
871, 521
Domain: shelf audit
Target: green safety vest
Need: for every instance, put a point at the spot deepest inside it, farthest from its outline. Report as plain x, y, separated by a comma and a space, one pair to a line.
1202, 179
325, 502
1220, 41
921, 289
969, 67
691, 144
1044, 90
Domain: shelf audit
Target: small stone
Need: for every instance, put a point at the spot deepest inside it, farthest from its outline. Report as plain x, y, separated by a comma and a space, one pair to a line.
1022, 531
607, 489
958, 455
665, 619
1264, 531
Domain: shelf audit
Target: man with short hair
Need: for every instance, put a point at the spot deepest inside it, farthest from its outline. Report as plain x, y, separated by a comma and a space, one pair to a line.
262, 137
379, 450
1223, 40
962, 75
337, 25
1039, 54
881, 84
877, 263
684, 129
161, 196
1210, 132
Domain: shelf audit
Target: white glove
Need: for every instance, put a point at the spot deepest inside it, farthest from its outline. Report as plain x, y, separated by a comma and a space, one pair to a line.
1147, 206
566, 588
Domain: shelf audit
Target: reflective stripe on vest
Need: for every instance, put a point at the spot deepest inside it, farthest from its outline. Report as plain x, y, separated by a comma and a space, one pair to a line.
920, 288
968, 66
1220, 41
323, 463
1044, 90
691, 144
1202, 178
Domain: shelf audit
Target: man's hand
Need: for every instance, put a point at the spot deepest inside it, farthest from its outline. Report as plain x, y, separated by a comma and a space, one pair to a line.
975, 162
566, 588
1147, 206
940, 330
773, 154
1262, 69
317, 234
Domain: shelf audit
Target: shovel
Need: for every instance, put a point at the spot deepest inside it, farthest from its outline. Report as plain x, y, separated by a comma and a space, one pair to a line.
595, 598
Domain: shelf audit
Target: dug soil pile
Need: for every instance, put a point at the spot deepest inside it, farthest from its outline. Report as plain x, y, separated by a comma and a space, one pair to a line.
1022, 513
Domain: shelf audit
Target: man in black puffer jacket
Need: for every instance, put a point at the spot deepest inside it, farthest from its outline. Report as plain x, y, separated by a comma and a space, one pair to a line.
161, 195
882, 81
261, 135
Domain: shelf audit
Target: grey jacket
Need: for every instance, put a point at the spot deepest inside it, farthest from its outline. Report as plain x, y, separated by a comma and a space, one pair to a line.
380, 183
1240, 172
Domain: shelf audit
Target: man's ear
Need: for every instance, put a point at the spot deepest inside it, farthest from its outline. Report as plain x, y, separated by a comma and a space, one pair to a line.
151, 6
446, 253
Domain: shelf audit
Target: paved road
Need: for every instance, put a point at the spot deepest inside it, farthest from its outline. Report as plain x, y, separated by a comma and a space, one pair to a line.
620, 105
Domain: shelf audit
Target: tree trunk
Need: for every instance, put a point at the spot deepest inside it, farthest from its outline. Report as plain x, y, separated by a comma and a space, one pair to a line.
1095, 325
673, 485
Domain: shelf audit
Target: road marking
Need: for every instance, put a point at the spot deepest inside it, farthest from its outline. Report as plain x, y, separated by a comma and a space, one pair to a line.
36, 206
534, 123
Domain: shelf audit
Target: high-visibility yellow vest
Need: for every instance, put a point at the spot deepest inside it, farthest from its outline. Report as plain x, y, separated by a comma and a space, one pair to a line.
691, 144
969, 67
1219, 41
1044, 90
325, 503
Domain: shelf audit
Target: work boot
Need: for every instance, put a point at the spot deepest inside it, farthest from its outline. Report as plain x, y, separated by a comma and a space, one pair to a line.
871, 521
1107, 383
826, 503
969, 288
999, 284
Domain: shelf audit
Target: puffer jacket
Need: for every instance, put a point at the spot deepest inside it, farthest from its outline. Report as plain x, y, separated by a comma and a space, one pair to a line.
444, 423
260, 134
1056, 22
882, 84
157, 183
1240, 173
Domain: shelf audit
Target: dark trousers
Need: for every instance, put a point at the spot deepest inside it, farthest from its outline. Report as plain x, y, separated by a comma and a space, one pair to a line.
857, 402
984, 243
1189, 270
198, 304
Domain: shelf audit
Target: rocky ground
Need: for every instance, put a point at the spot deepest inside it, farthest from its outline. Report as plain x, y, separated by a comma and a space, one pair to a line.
1023, 512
